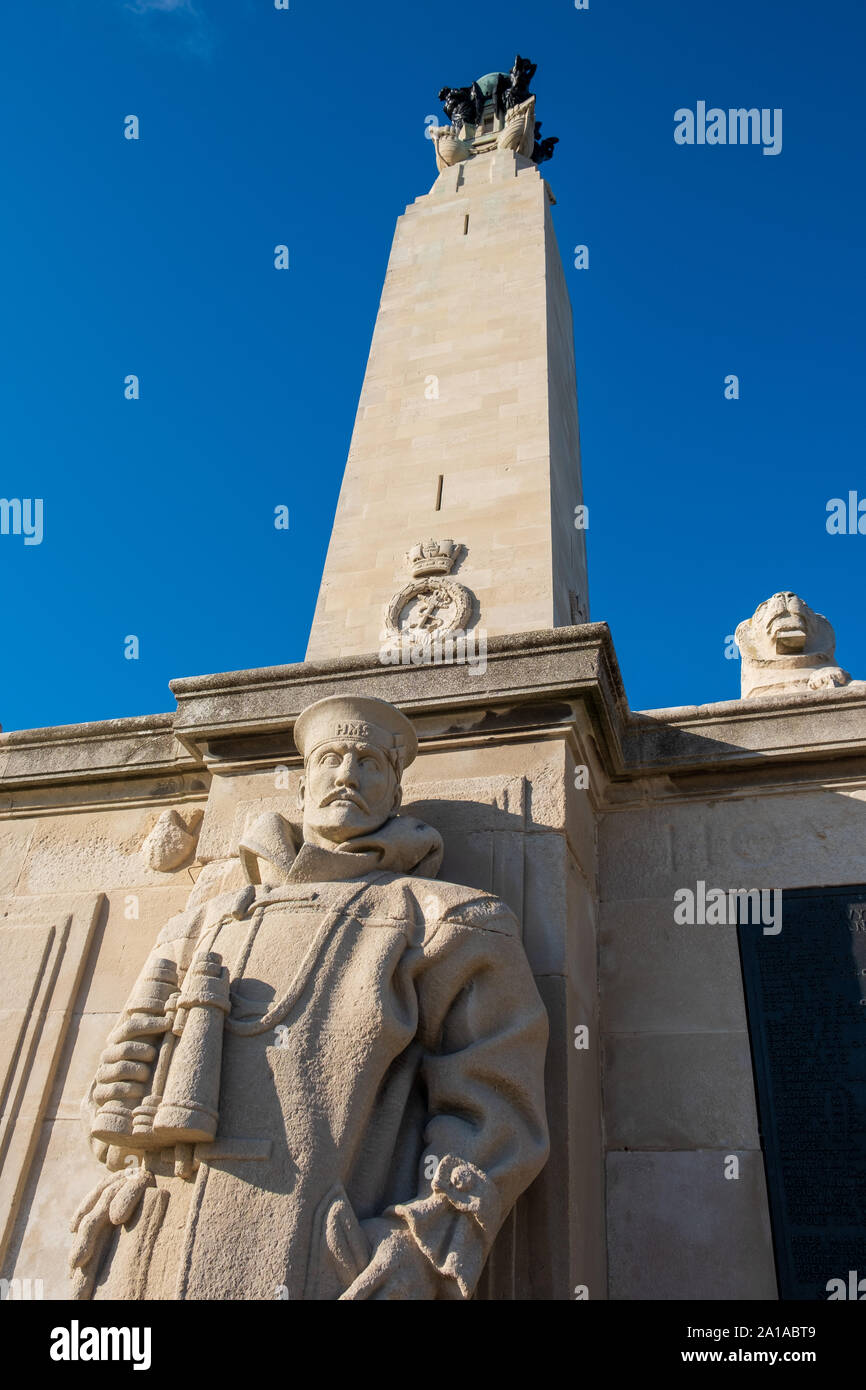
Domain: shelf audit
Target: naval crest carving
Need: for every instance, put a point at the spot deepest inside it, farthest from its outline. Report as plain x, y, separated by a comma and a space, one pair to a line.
432, 605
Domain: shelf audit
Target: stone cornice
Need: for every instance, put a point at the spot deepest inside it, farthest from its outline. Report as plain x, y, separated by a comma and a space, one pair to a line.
145, 746
522, 669
533, 684
819, 725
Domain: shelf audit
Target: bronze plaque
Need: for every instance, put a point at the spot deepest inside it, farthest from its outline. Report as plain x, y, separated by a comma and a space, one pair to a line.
806, 1001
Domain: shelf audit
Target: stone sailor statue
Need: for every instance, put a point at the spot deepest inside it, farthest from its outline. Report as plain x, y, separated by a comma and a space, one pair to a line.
327, 1085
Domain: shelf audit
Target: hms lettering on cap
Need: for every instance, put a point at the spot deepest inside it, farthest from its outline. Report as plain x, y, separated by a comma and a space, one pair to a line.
354, 731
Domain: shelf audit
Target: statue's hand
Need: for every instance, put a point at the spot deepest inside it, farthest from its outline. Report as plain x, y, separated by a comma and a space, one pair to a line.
398, 1269
143, 1023
113, 1202
124, 1072
124, 1069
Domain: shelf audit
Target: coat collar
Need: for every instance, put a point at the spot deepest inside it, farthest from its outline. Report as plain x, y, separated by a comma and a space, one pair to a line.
403, 845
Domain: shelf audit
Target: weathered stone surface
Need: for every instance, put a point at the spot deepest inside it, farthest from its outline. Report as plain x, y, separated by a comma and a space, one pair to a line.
15, 839
679, 1091
678, 1229
44, 948
85, 1042
569, 1194
658, 977
801, 838
546, 926
30, 756
581, 956
738, 738
581, 810
39, 1248
89, 849
127, 927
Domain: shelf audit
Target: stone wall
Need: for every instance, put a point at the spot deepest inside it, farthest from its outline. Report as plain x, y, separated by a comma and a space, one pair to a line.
679, 1092
80, 911
769, 794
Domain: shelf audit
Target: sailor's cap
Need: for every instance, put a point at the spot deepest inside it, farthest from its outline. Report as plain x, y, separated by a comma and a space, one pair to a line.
356, 719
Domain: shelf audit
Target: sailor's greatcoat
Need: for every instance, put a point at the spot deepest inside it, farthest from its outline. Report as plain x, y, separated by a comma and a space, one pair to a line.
382, 1069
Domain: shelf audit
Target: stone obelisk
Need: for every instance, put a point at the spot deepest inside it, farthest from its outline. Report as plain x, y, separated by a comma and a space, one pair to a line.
467, 426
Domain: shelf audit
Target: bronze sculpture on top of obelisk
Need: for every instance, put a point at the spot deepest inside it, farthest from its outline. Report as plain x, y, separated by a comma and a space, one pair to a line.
496, 112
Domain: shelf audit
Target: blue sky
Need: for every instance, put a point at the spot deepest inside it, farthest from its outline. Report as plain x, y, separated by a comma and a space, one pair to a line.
306, 127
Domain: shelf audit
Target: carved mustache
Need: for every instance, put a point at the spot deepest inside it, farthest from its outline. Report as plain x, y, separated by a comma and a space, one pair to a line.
345, 794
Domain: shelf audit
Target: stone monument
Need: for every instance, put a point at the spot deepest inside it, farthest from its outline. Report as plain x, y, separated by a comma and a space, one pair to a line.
323, 1074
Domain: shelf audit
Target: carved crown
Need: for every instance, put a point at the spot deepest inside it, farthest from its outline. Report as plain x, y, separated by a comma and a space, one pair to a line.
431, 557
